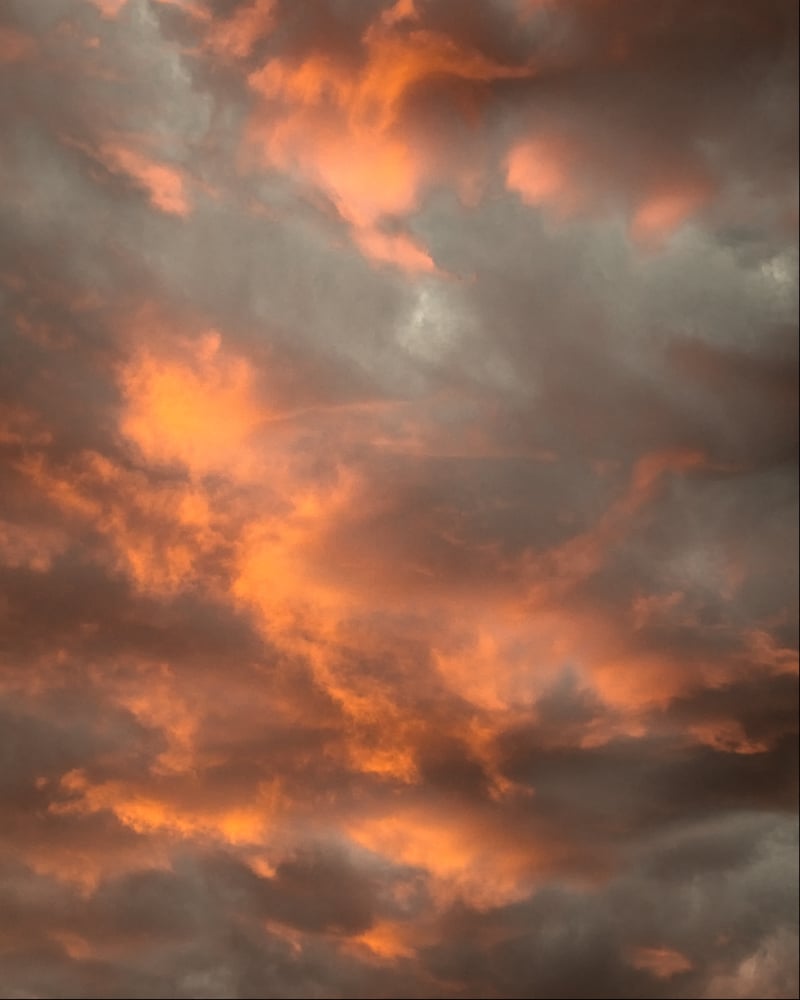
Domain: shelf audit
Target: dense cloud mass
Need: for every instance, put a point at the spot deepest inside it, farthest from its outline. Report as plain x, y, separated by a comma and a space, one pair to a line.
398, 514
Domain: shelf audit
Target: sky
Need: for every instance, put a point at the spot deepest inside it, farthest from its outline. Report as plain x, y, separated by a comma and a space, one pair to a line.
398, 499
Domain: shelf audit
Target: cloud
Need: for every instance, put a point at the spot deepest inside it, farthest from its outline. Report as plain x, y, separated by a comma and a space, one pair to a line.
397, 499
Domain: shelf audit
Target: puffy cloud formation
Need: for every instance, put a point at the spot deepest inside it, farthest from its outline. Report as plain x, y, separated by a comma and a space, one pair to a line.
398, 518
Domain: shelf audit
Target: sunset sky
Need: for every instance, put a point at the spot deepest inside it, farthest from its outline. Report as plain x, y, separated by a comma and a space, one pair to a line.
398, 499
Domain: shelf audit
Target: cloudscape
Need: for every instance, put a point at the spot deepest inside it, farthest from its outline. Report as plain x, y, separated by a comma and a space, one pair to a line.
398, 514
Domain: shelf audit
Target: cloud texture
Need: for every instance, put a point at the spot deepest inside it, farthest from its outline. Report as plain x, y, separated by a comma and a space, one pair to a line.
398, 516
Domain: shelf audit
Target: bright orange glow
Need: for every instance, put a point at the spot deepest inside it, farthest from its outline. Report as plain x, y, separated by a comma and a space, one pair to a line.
345, 132
146, 813
389, 940
197, 408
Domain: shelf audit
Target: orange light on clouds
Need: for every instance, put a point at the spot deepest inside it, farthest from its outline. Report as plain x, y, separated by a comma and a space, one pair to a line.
147, 811
467, 858
661, 214
662, 962
344, 130
396, 249
165, 185
388, 941
538, 170
197, 408
397, 499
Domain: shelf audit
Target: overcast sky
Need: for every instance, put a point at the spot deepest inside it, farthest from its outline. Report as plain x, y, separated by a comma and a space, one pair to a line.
398, 512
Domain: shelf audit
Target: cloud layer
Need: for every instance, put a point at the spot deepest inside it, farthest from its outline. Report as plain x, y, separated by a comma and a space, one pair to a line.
398, 512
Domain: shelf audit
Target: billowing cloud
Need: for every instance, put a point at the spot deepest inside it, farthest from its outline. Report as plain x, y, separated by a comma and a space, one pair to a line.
398, 510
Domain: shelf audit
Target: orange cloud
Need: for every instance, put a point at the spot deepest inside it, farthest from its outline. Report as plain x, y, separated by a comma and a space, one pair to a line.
152, 810
109, 8
236, 36
196, 407
468, 857
663, 963
159, 535
397, 249
660, 214
549, 173
349, 132
153, 697
389, 940
344, 130
538, 170
164, 184
567, 175
308, 608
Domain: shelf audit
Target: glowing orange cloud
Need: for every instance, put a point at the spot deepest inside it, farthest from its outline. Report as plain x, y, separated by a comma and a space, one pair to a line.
397, 249
389, 940
196, 407
661, 214
551, 172
469, 857
538, 169
158, 535
164, 184
344, 130
147, 810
